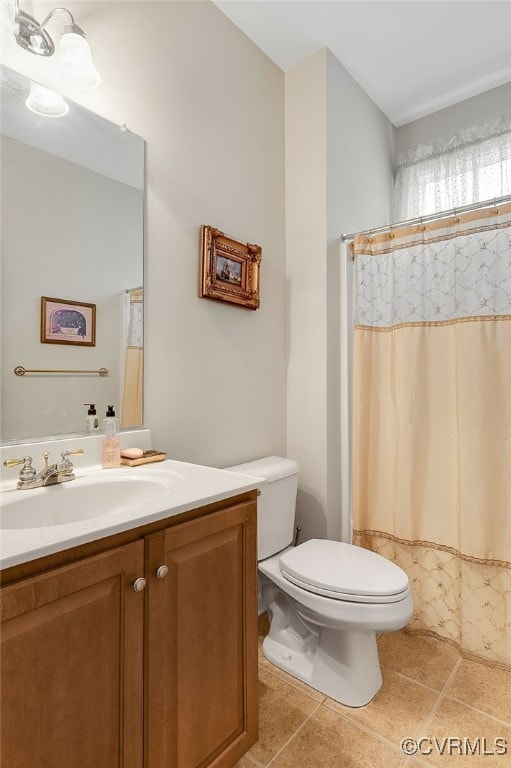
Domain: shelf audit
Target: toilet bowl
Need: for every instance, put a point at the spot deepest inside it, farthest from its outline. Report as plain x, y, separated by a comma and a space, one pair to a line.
326, 599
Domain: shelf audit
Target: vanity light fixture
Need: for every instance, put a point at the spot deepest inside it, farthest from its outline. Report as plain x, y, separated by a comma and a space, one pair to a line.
8, 24
75, 66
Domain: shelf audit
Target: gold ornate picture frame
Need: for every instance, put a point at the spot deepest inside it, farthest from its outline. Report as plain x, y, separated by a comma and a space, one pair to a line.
229, 269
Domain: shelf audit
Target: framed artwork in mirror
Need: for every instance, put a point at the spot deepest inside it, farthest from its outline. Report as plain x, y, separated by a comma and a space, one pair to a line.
68, 322
229, 269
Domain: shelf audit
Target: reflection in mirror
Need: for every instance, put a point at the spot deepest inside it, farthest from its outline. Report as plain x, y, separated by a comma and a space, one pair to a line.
72, 202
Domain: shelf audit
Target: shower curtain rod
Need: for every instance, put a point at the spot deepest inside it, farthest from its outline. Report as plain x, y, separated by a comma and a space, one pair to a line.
430, 217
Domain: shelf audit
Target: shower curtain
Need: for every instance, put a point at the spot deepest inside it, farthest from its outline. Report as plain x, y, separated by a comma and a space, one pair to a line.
131, 414
432, 421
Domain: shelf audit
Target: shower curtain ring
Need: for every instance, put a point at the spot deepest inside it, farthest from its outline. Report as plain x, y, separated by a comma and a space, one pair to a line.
422, 228
456, 218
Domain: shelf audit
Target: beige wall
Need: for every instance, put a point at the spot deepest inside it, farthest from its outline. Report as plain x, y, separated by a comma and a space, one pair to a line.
210, 106
306, 214
339, 176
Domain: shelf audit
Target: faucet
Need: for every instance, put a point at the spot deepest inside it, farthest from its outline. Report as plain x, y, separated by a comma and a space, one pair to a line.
61, 472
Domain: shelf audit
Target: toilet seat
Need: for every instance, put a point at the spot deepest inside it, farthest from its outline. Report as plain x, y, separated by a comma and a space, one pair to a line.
344, 572
345, 596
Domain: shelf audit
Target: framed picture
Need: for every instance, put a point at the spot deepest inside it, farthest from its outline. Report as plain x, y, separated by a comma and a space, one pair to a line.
68, 322
229, 269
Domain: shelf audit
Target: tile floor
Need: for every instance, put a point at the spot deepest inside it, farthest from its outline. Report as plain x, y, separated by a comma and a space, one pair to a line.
428, 692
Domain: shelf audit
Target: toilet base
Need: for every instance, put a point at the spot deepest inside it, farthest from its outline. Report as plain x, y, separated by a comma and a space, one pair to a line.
343, 665
340, 662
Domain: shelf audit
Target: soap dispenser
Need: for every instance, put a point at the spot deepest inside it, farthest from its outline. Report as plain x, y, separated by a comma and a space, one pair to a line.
111, 453
91, 420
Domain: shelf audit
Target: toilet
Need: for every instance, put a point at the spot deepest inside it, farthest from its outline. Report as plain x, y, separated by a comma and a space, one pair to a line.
326, 600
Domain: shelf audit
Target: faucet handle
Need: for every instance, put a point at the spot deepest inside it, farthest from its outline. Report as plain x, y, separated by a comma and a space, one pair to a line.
27, 473
66, 463
8, 463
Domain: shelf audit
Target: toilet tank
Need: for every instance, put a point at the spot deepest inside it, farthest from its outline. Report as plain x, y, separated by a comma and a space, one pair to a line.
276, 504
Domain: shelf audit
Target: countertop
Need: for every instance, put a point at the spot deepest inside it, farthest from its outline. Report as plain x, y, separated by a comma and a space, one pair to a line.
191, 486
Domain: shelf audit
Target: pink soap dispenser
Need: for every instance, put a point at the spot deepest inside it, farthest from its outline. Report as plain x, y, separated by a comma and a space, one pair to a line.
111, 452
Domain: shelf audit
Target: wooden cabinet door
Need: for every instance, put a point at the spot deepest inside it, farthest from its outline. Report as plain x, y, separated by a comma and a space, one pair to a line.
72, 665
201, 651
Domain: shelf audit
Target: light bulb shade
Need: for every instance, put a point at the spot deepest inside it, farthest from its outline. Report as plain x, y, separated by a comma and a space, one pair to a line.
75, 62
47, 103
8, 24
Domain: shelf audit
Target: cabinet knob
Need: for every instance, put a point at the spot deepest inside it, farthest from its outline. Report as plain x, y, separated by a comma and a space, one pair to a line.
162, 571
139, 585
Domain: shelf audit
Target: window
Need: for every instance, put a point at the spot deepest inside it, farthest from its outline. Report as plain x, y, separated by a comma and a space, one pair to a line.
470, 167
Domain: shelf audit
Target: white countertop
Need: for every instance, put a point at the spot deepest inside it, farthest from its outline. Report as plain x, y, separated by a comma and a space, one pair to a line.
191, 486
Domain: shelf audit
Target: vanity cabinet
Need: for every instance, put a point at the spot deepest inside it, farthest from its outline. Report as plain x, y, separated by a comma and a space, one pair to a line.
72, 659
96, 674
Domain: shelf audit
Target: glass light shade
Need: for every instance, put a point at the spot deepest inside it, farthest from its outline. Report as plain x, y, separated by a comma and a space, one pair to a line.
8, 24
44, 102
75, 62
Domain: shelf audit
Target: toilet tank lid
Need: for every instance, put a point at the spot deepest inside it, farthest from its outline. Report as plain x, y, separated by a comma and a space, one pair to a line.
270, 468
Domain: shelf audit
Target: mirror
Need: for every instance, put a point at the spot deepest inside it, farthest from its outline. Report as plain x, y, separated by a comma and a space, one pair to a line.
72, 206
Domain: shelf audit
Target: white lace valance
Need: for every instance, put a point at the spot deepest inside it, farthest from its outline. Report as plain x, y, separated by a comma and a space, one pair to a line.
471, 166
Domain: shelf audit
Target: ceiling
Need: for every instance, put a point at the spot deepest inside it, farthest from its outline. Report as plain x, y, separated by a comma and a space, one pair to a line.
413, 57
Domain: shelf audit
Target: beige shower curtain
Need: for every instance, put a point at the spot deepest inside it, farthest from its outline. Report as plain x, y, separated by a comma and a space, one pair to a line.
132, 401
432, 421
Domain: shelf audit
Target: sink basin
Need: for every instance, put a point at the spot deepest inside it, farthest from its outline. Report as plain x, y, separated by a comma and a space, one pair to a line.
86, 498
